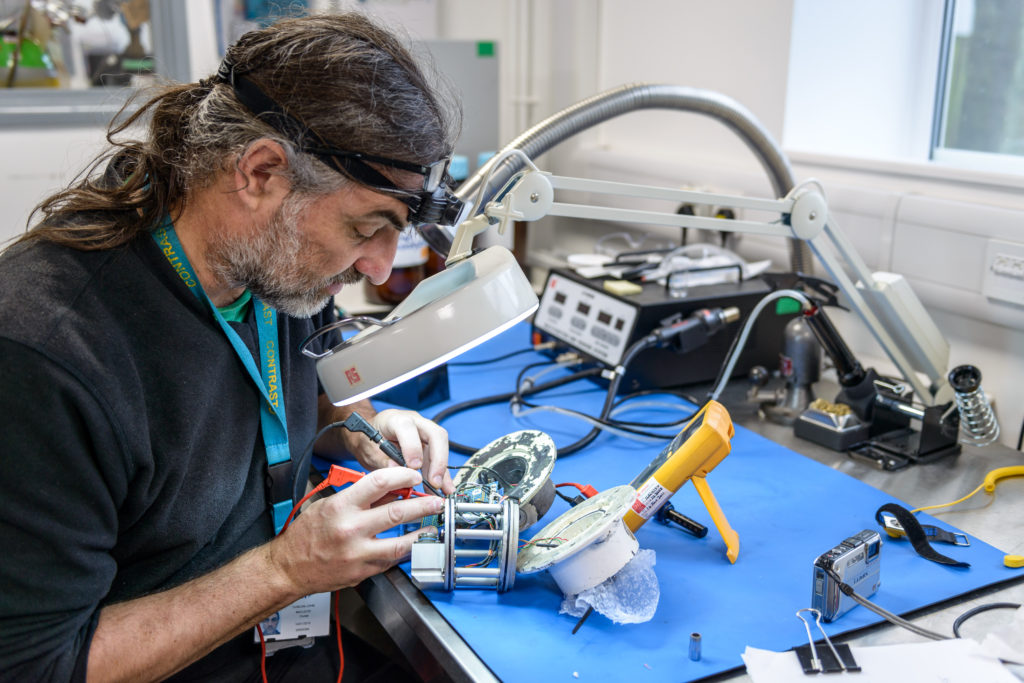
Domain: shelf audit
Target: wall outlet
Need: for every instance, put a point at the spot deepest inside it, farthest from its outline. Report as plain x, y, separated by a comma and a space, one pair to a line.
1003, 278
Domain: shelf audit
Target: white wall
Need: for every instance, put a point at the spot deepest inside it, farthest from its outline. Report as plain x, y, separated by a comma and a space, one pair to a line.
38, 162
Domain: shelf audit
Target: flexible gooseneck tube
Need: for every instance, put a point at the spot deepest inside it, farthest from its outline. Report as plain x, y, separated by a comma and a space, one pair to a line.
622, 100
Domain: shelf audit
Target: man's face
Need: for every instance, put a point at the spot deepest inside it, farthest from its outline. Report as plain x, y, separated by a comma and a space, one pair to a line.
311, 247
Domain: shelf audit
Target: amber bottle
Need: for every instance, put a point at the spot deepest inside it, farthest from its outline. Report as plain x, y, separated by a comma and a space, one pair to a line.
414, 260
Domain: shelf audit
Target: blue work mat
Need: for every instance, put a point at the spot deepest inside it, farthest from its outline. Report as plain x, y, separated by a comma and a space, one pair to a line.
787, 510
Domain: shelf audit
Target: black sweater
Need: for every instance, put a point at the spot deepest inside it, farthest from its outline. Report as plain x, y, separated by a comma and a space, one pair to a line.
132, 457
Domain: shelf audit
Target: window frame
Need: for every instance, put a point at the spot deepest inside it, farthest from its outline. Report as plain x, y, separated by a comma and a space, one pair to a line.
993, 162
96, 106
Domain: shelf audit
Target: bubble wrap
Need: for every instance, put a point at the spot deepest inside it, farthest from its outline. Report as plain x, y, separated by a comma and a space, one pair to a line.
628, 597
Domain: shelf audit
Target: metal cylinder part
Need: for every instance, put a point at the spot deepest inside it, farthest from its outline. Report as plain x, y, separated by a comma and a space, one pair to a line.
804, 353
695, 647
502, 545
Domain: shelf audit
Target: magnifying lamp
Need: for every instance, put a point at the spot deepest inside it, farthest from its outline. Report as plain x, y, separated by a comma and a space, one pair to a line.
469, 302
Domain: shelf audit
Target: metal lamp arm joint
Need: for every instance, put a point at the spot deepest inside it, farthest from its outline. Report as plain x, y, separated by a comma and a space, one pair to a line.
803, 214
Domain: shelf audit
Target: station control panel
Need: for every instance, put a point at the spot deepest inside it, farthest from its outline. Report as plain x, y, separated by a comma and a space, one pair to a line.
589, 320
601, 326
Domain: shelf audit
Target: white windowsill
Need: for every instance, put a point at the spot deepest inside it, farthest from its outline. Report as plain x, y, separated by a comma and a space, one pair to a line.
933, 171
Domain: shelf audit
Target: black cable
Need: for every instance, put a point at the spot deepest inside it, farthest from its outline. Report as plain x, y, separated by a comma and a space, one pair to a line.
613, 422
654, 425
517, 396
463, 363
1020, 437
662, 390
613, 388
501, 398
498, 476
978, 610
566, 498
305, 459
607, 423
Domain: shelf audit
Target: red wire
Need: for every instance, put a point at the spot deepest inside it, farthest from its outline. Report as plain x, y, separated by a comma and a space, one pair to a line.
337, 620
317, 489
587, 490
263, 653
337, 631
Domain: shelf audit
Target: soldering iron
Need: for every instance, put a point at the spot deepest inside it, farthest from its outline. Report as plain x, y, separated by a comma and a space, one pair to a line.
356, 423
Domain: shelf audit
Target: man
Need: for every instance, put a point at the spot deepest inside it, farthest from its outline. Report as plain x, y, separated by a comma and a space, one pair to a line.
149, 396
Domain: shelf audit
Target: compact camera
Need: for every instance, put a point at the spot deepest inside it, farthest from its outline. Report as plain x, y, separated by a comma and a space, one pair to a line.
856, 562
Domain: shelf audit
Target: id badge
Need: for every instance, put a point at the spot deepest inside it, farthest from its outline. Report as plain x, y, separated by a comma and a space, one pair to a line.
307, 617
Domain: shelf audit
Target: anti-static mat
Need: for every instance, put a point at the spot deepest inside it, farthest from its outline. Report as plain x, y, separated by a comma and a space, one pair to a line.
787, 510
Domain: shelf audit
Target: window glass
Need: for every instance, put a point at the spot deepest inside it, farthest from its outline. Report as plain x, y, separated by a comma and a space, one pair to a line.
982, 113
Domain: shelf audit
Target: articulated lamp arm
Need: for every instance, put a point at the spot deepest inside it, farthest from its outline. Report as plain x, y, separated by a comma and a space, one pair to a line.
884, 301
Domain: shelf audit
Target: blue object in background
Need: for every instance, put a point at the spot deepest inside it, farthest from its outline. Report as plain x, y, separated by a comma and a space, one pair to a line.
265, 11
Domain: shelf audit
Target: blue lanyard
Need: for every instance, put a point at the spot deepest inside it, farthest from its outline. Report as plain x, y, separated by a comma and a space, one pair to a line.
272, 414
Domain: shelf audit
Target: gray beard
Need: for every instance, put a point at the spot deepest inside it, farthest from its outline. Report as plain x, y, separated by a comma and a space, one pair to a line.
274, 264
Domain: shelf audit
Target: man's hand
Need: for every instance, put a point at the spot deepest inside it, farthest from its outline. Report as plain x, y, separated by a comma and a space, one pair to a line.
424, 444
333, 543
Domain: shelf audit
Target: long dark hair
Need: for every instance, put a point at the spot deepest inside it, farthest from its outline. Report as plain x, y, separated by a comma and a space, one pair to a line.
343, 75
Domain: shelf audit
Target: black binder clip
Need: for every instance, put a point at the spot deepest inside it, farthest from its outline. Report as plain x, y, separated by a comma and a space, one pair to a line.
836, 659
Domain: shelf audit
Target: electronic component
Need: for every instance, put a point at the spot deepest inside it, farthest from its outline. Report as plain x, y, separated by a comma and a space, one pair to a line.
586, 545
855, 562
484, 533
602, 325
503, 487
520, 465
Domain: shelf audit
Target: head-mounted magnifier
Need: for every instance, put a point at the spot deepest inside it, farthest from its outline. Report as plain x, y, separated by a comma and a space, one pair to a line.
433, 203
